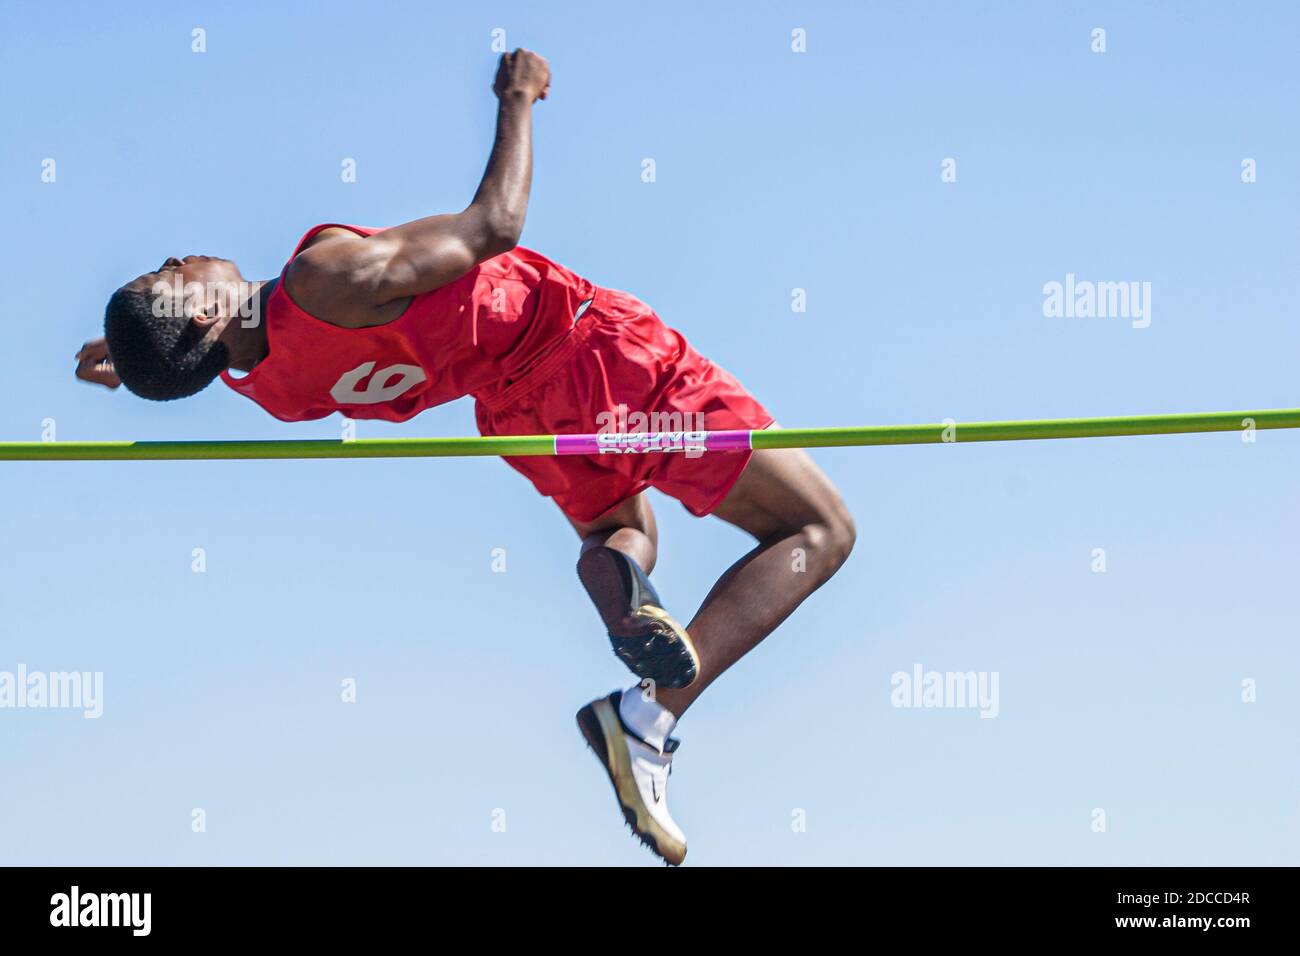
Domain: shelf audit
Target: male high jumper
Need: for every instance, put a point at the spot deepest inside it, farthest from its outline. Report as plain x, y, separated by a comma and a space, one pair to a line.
385, 323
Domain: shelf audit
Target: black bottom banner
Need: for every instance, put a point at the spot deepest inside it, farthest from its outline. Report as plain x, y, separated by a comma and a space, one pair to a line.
1165, 906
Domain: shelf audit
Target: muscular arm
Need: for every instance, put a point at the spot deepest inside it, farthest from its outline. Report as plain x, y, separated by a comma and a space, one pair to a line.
341, 279
429, 253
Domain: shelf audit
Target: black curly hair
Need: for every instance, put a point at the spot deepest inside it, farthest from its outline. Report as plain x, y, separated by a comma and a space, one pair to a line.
159, 357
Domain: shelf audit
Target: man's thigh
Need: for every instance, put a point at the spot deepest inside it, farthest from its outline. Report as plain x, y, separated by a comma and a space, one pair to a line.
782, 489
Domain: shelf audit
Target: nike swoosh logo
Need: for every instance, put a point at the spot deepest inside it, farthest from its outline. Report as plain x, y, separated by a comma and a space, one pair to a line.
654, 789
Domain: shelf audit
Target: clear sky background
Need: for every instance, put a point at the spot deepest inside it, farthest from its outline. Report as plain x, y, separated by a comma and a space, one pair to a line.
775, 171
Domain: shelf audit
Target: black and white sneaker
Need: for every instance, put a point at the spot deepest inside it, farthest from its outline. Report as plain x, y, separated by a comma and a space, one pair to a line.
644, 636
639, 774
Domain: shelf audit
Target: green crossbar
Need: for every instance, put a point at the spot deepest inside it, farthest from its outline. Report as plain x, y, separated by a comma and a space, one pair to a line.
528, 445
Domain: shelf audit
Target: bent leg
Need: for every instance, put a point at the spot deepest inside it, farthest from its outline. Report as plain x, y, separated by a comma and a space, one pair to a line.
804, 533
618, 553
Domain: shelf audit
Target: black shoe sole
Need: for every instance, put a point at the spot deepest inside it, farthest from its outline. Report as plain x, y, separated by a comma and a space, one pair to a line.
643, 635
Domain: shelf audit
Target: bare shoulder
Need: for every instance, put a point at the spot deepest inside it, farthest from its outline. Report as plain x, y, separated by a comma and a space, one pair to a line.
334, 278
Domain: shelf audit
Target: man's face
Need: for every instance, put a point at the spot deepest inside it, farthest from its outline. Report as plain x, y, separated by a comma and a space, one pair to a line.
202, 287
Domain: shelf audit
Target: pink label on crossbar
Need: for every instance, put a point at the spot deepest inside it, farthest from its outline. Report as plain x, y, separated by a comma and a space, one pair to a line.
639, 443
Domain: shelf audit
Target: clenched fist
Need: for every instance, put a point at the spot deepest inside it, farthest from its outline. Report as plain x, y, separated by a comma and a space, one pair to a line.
523, 72
95, 365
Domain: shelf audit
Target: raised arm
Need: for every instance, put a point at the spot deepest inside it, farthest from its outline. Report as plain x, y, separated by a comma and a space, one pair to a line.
420, 256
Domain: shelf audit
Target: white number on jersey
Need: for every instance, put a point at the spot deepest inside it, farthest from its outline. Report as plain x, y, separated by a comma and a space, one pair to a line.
378, 389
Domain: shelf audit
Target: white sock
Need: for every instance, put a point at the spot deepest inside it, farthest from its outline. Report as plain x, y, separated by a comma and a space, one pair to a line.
648, 719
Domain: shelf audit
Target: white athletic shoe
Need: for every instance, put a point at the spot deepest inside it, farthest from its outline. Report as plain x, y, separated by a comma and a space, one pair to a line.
639, 774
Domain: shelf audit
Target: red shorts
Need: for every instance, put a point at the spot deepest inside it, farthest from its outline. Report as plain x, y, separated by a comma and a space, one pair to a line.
621, 360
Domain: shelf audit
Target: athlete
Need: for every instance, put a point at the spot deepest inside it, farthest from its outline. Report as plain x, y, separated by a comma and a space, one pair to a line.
384, 323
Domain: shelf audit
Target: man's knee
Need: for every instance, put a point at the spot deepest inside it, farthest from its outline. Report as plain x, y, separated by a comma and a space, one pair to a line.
831, 538
846, 534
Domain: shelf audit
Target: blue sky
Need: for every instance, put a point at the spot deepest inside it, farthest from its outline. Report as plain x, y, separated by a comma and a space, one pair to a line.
1119, 691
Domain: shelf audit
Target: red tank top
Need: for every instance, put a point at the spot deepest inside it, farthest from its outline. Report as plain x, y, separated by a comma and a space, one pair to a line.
468, 337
